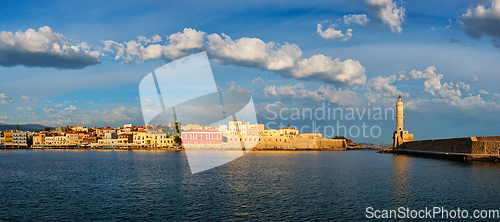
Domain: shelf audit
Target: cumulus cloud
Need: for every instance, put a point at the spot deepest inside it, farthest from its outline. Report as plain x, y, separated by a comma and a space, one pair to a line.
322, 94
283, 59
388, 12
380, 88
253, 52
26, 97
483, 92
232, 89
360, 19
483, 19
383, 85
179, 45
270, 91
474, 78
257, 80
59, 105
71, 108
44, 48
328, 70
333, 34
5, 99
432, 84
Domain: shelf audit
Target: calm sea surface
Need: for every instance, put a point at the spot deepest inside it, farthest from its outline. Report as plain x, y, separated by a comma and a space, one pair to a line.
79, 185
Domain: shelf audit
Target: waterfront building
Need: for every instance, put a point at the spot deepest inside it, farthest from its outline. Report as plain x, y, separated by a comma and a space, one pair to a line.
201, 136
400, 136
126, 138
8, 136
60, 140
39, 139
140, 137
49, 140
19, 137
72, 137
159, 140
2, 138
289, 132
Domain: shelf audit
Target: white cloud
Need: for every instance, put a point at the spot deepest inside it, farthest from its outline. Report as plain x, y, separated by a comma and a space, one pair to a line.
483, 20
5, 99
44, 48
20, 108
388, 12
474, 78
284, 59
462, 85
232, 89
326, 94
270, 91
360, 19
179, 45
320, 67
333, 34
71, 108
257, 80
154, 39
253, 52
432, 84
59, 105
383, 85
48, 111
483, 92
26, 98
29, 109
90, 102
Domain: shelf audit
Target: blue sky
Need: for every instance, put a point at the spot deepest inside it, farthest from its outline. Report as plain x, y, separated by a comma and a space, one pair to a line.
61, 64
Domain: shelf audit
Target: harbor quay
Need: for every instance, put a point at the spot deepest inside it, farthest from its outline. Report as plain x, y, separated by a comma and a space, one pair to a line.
238, 134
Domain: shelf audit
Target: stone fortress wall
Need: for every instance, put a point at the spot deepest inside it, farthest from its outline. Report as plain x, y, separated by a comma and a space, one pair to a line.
467, 145
301, 141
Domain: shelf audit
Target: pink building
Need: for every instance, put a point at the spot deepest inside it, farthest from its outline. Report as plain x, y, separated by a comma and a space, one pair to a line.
201, 136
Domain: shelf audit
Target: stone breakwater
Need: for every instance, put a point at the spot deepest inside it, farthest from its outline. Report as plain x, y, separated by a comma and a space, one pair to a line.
468, 148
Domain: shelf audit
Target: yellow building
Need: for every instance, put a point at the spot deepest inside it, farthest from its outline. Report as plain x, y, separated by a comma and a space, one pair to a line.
39, 139
8, 136
140, 138
271, 132
158, 140
72, 138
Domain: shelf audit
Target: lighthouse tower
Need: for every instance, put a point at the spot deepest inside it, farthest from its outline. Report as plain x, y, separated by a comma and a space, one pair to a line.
400, 136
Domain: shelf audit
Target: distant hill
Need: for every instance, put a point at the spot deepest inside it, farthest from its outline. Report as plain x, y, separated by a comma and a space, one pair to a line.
23, 127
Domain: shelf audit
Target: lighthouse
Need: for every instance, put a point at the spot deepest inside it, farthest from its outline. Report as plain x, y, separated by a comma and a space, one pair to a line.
400, 136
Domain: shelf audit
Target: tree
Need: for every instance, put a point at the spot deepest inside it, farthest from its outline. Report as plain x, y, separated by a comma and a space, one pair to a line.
178, 140
343, 137
48, 129
17, 127
288, 125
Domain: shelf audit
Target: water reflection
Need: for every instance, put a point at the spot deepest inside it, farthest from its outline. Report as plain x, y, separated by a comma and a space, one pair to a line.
401, 180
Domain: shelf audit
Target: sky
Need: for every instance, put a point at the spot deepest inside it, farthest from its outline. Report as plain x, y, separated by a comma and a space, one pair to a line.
80, 63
